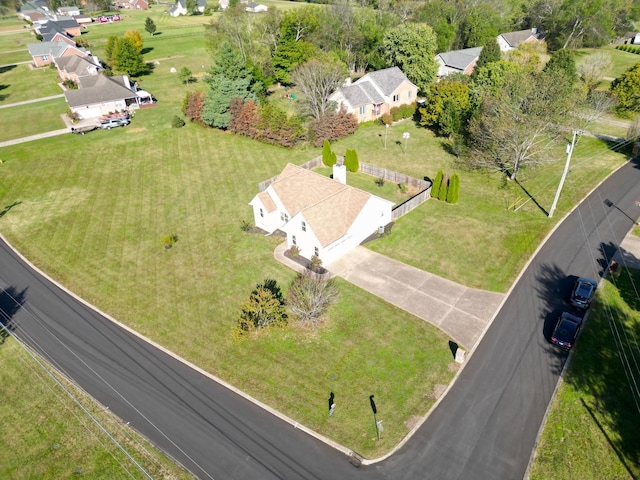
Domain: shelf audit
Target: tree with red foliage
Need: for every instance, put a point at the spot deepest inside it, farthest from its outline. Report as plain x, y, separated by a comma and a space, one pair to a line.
192, 106
332, 126
244, 117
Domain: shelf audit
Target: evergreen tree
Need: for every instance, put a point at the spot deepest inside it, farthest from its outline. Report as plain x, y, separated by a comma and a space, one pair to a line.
435, 188
351, 160
229, 78
327, 154
444, 186
150, 26
453, 192
490, 53
563, 62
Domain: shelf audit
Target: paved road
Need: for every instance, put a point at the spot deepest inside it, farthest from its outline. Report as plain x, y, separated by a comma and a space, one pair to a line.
484, 429
487, 426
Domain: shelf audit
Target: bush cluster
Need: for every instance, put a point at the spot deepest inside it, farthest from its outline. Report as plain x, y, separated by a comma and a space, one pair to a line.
445, 188
407, 110
629, 48
177, 122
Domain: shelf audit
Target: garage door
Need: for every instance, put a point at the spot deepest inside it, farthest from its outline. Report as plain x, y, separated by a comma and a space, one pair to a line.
89, 112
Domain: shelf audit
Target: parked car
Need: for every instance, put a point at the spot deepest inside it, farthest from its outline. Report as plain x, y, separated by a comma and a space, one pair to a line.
583, 292
83, 130
110, 123
566, 331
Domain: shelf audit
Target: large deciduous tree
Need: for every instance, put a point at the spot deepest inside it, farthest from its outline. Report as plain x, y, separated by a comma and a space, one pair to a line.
318, 79
135, 38
412, 48
519, 125
127, 58
447, 107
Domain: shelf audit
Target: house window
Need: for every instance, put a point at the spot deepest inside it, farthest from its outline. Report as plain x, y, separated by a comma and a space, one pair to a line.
293, 240
45, 58
304, 226
316, 251
261, 213
409, 94
396, 98
284, 217
362, 110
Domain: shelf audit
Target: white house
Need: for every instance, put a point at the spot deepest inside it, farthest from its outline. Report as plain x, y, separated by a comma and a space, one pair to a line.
321, 216
512, 40
253, 7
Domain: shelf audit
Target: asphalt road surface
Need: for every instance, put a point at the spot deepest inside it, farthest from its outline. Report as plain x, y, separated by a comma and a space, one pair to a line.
484, 429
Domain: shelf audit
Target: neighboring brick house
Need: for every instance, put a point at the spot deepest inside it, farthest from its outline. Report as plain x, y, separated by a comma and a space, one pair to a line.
374, 94
75, 67
321, 216
133, 4
457, 61
512, 40
99, 95
43, 53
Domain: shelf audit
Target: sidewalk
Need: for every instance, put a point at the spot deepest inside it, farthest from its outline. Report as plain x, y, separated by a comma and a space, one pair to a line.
628, 255
462, 313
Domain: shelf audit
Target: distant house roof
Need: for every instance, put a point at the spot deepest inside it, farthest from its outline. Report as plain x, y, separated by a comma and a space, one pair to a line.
78, 65
460, 59
328, 206
386, 80
99, 89
514, 39
373, 87
53, 49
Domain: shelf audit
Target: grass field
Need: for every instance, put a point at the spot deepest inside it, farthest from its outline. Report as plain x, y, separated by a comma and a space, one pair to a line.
45, 434
592, 428
95, 220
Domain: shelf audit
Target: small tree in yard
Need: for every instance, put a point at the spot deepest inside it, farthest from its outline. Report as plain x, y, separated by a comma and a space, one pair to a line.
150, 26
444, 186
329, 158
185, 75
351, 161
265, 308
435, 188
310, 296
453, 192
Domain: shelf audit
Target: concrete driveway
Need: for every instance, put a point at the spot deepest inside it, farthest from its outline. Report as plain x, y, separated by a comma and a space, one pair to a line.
462, 313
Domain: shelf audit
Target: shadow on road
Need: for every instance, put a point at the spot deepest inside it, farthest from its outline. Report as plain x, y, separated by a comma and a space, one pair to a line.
11, 300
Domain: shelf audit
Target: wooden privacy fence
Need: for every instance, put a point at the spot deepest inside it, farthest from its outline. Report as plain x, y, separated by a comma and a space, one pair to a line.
422, 186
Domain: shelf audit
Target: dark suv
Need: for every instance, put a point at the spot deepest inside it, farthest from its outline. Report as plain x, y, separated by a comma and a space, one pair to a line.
110, 123
583, 292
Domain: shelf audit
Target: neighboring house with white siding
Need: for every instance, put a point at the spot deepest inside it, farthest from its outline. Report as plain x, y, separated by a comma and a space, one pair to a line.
375, 94
321, 216
512, 40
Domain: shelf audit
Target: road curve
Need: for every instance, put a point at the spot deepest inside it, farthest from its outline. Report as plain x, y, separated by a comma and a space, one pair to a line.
484, 429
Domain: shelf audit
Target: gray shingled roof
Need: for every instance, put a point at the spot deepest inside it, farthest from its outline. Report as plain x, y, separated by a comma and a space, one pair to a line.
460, 59
98, 89
54, 49
516, 38
386, 80
76, 64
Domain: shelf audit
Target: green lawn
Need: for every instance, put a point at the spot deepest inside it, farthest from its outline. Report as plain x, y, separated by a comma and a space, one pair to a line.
44, 434
592, 428
93, 210
31, 119
20, 83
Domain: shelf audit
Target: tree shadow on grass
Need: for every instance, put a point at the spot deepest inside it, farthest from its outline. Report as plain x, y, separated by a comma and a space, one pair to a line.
604, 368
7, 68
11, 300
146, 50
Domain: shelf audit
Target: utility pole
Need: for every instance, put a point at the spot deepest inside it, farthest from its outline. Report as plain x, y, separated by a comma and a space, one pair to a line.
564, 173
